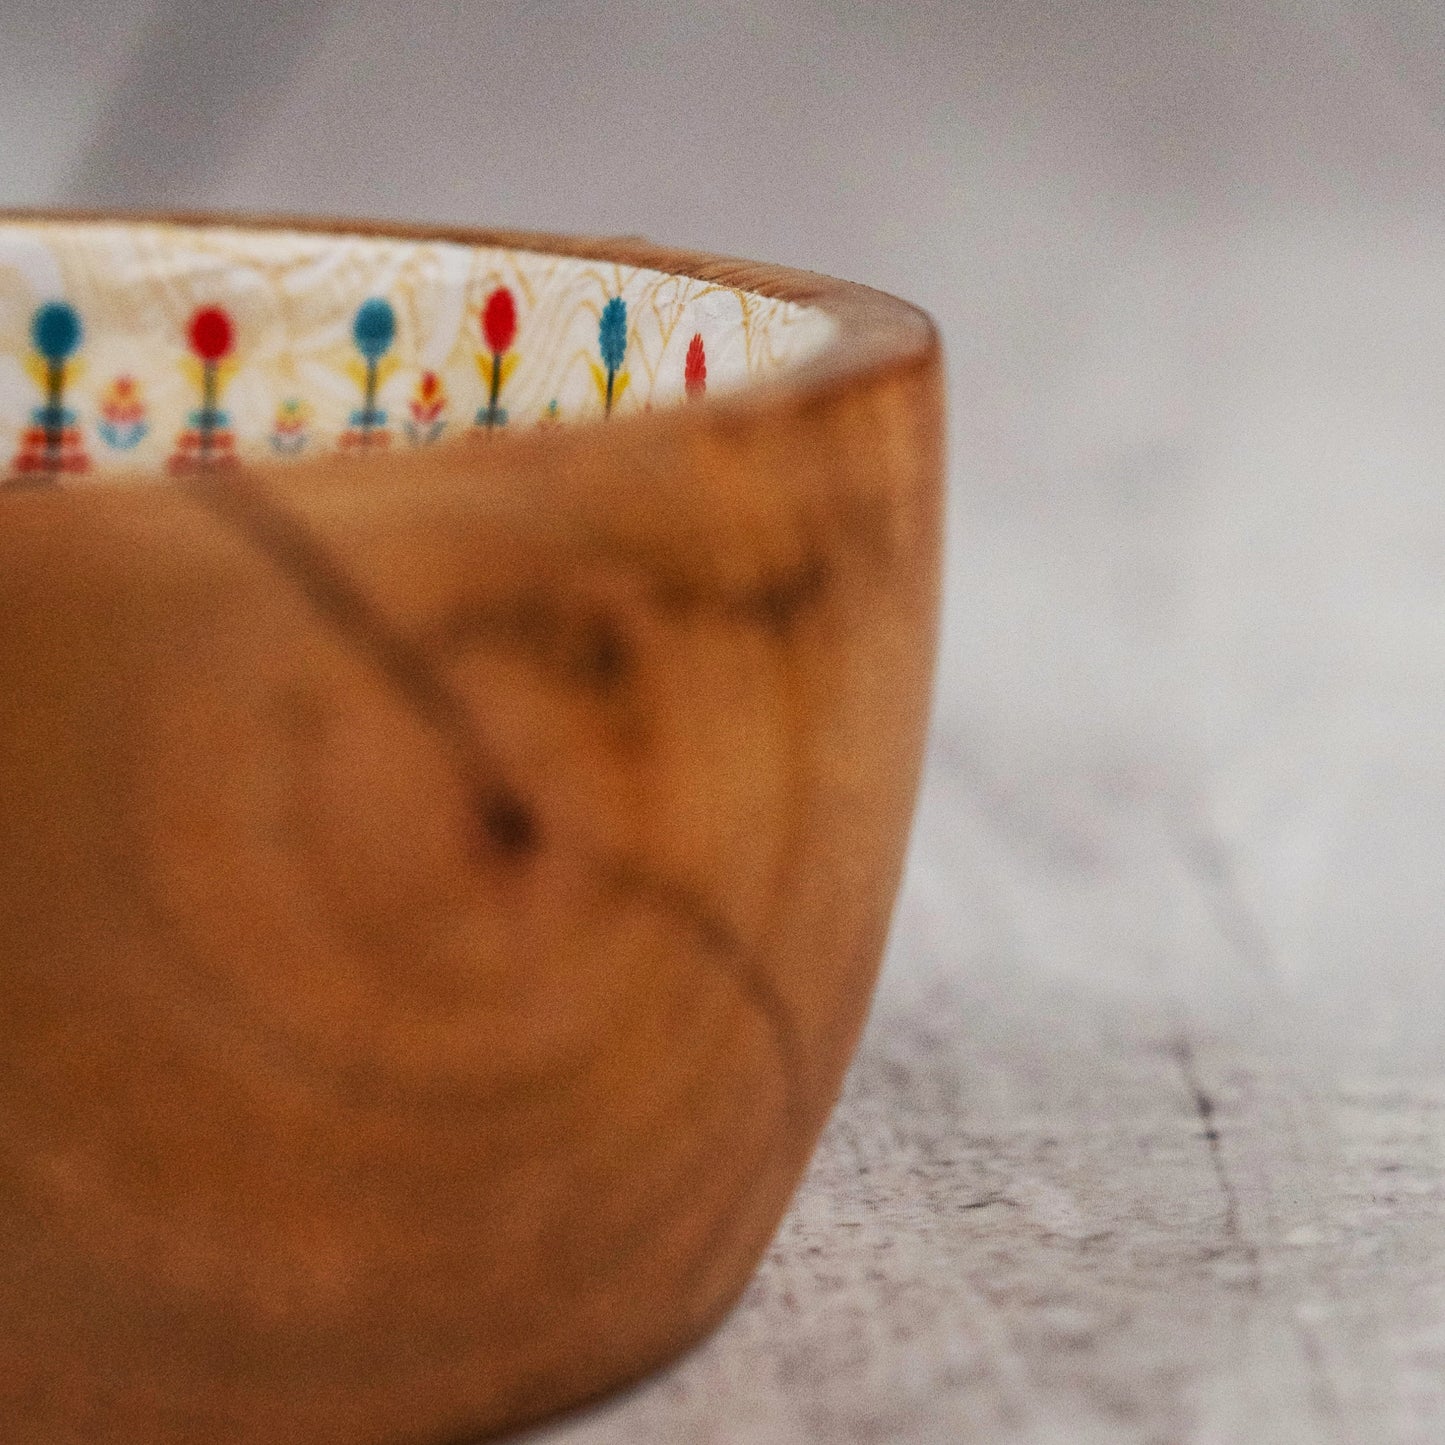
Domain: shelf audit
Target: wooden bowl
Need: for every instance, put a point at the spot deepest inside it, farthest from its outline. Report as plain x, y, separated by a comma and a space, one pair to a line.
446, 855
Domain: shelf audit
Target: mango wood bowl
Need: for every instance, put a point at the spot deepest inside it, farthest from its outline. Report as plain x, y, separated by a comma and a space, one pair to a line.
461, 697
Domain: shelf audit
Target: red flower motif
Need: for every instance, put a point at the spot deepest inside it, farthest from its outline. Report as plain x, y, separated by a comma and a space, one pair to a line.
694, 371
211, 334
499, 321
430, 399
121, 403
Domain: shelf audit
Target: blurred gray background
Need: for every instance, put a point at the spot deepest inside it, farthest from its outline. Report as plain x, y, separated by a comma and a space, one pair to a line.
1147, 1137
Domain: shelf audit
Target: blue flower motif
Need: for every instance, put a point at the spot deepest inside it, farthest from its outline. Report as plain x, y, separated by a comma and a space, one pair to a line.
612, 334
374, 328
122, 437
55, 330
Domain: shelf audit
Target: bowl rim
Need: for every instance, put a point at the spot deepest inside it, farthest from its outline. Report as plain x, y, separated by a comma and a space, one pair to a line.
875, 337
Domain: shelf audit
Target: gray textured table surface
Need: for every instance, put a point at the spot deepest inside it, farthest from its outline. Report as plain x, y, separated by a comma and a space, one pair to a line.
1144, 1145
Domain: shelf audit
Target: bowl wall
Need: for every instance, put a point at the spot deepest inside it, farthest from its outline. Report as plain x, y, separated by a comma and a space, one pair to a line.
440, 894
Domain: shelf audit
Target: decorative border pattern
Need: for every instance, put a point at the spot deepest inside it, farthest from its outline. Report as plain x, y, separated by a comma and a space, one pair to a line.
145, 347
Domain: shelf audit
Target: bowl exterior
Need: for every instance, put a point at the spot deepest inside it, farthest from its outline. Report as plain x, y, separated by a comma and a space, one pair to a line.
439, 900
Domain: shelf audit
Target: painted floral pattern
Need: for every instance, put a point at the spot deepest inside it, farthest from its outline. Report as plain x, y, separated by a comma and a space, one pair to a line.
224, 344
497, 362
694, 372
207, 439
610, 379
289, 432
51, 443
121, 419
427, 408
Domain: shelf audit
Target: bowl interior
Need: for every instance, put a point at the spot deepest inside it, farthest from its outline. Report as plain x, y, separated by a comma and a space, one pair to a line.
161, 349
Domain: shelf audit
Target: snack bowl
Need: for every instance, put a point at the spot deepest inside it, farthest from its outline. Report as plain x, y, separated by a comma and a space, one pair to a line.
461, 701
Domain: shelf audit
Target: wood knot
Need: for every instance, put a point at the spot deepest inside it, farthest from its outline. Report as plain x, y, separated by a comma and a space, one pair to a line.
602, 657
507, 823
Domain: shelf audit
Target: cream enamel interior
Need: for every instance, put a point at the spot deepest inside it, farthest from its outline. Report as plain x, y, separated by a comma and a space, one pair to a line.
133, 394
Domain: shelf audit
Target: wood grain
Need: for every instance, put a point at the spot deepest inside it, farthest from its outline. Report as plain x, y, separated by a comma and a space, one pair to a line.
441, 896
